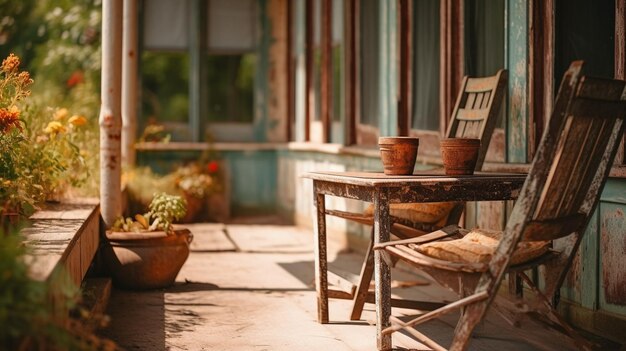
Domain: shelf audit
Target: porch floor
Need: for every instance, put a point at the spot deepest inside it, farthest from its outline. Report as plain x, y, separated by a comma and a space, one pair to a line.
250, 287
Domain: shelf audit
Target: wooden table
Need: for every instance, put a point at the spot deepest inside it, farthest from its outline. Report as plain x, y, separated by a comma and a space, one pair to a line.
429, 186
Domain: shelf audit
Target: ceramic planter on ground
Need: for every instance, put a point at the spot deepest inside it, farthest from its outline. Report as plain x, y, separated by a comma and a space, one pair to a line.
147, 260
459, 155
398, 154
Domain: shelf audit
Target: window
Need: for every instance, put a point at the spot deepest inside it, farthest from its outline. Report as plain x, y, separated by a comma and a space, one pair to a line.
584, 30
587, 31
165, 91
423, 110
369, 43
484, 56
165, 67
425, 114
484, 37
199, 69
231, 88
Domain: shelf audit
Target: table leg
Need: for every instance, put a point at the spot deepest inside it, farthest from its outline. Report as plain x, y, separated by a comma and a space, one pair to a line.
321, 269
382, 272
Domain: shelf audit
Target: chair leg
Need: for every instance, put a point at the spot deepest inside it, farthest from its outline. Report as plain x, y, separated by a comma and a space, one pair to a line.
468, 321
367, 271
516, 288
549, 311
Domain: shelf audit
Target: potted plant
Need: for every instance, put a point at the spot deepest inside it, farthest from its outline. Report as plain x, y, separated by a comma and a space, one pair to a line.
196, 184
147, 252
199, 183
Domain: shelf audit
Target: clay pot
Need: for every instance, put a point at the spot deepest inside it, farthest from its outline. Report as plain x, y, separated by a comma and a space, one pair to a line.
147, 260
398, 154
194, 208
459, 155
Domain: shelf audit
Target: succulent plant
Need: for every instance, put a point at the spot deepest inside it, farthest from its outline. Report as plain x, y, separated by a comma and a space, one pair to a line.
164, 210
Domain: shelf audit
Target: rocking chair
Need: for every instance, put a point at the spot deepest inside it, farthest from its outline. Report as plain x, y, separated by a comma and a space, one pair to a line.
558, 198
474, 116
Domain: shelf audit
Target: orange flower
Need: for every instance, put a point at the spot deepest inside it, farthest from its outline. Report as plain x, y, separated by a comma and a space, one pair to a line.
55, 127
9, 119
77, 120
60, 114
11, 63
24, 78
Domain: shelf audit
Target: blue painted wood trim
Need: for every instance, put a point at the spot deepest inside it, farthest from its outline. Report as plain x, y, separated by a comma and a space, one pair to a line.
517, 17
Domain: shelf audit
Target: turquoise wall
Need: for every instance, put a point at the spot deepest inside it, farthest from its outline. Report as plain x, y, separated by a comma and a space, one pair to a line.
250, 175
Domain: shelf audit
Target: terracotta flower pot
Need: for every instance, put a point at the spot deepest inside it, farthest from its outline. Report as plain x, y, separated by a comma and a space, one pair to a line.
194, 208
148, 260
459, 155
398, 154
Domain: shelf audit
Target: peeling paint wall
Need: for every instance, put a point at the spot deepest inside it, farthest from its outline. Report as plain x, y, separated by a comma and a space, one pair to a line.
276, 73
517, 63
250, 176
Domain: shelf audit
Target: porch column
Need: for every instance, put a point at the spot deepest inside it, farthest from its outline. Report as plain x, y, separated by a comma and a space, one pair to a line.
110, 112
129, 83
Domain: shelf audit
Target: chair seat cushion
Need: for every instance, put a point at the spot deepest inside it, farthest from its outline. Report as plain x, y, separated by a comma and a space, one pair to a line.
431, 212
478, 246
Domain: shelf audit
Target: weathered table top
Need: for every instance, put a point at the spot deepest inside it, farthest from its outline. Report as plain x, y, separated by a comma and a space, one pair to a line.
381, 179
425, 186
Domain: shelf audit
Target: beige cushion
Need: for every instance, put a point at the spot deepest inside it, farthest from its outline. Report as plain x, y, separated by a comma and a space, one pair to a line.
478, 246
431, 212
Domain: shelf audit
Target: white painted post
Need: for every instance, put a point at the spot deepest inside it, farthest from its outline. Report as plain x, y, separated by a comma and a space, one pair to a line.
129, 83
110, 112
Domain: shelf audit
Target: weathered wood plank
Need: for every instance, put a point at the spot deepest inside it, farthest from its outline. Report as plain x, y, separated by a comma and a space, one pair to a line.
480, 85
382, 271
321, 263
465, 114
342, 283
62, 237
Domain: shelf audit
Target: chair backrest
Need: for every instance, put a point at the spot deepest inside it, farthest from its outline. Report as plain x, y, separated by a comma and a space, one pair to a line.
476, 110
574, 157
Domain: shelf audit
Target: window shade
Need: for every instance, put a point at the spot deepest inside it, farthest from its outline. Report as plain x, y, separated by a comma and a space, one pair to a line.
165, 24
231, 25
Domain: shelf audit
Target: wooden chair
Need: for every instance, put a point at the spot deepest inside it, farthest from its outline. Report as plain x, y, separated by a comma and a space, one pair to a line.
475, 114
557, 201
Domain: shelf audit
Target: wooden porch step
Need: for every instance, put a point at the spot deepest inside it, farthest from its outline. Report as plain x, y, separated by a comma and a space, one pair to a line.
96, 293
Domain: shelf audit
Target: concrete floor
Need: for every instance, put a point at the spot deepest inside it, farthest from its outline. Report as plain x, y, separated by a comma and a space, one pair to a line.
250, 287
